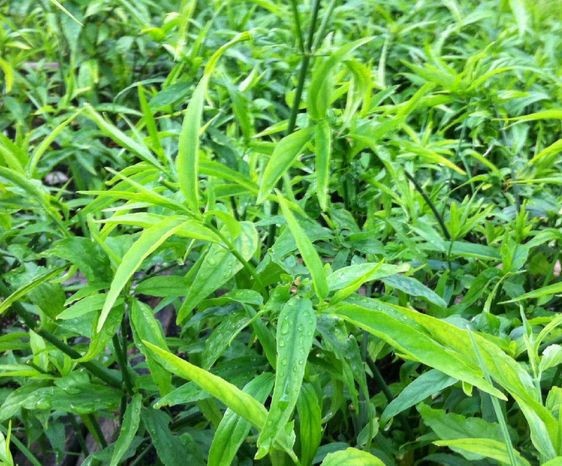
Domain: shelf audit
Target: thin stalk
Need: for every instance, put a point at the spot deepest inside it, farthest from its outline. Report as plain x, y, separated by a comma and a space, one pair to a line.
29, 320
436, 213
93, 426
122, 359
496, 404
249, 267
379, 380
305, 63
79, 435
142, 454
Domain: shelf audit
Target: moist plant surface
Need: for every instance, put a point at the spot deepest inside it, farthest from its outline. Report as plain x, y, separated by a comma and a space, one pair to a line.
257, 232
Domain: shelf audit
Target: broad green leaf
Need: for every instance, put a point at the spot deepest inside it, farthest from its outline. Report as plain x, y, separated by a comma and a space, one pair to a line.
8, 71
295, 333
147, 328
548, 290
427, 384
347, 280
110, 130
483, 447
233, 429
306, 248
413, 287
351, 457
310, 424
148, 242
323, 149
449, 426
129, 427
547, 156
320, 89
28, 287
284, 154
217, 267
551, 357
238, 401
415, 344
170, 449
552, 114
187, 161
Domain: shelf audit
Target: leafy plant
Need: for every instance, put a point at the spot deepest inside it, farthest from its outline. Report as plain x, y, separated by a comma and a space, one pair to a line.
271, 233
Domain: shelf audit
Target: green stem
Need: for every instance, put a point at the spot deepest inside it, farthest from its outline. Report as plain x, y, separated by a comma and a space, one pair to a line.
305, 63
93, 426
431, 206
30, 322
78, 433
122, 359
379, 380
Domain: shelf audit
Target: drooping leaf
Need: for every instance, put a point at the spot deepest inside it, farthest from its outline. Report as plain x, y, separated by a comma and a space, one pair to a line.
283, 156
351, 457
217, 267
295, 332
233, 429
306, 248
147, 243
129, 427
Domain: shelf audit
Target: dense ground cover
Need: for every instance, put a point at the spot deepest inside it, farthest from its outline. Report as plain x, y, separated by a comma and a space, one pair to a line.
273, 233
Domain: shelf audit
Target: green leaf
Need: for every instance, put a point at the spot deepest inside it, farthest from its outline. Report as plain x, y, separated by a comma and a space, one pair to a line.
28, 287
295, 333
323, 149
351, 457
310, 424
129, 427
217, 267
483, 447
147, 328
427, 384
233, 429
187, 161
306, 248
238, 401
415, 344
320, 89
170, 449
548, 290
284, 154
119, 137
148, 242
413, 287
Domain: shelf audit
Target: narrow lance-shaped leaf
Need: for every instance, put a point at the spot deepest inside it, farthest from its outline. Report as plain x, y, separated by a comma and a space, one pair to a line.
148, 242
146, 327
187, 162
306, 248
218, 266
310, 424
415, 344
485, 447
323, 146
283, 156
129, 428
320, 89
120, 137
295, 332
351, 457
233, 429
238, 401
25, 289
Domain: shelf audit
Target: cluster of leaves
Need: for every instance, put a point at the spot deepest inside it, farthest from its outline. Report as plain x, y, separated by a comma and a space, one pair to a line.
266, 232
